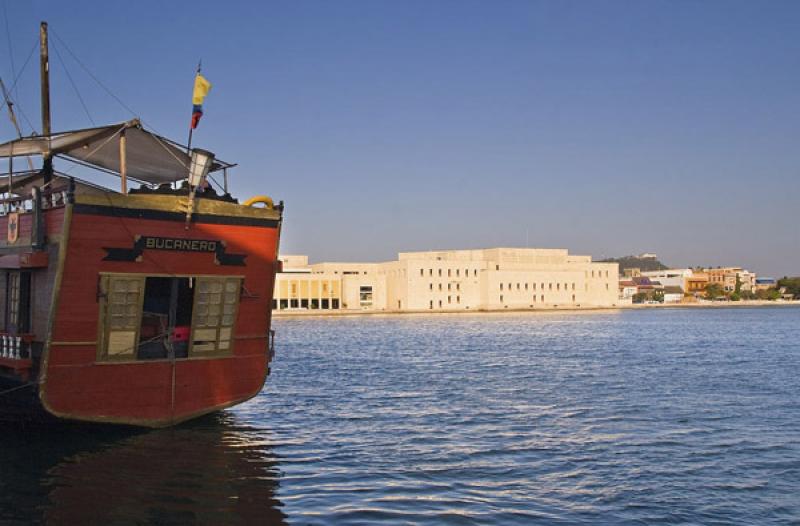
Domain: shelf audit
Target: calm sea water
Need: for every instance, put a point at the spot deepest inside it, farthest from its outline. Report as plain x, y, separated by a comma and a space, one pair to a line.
632, 417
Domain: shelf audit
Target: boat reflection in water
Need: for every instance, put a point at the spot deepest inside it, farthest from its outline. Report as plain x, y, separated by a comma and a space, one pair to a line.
211, 471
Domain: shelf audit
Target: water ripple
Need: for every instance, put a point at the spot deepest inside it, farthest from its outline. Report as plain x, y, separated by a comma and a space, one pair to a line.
669, 417
636, 417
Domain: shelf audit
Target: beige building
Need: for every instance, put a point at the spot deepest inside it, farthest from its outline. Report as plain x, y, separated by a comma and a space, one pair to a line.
726, 277
451, 280
673, 277
696, 283
296, 288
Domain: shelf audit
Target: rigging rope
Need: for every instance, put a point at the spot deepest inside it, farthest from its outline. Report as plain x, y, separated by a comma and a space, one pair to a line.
14, 85
86, 157
81, 99
74, 86
86, 69
8, 39
17, 388
99, 83
24, 65
161, 143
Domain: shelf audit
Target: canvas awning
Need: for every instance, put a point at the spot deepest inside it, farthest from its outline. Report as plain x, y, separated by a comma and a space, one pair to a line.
149, 157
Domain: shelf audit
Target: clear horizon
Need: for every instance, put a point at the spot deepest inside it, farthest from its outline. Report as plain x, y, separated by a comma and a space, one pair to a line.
607, 128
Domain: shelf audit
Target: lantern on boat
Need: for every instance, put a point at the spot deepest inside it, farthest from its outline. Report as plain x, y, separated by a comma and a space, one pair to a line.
200, 166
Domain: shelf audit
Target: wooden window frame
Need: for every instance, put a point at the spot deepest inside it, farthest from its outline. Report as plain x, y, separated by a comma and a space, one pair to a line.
104, 321
217, 352
103, 325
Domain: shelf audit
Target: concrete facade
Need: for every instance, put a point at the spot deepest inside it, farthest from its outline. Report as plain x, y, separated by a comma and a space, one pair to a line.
696, 284
726, 277
671, 277
460, 280
297, 288
766, 283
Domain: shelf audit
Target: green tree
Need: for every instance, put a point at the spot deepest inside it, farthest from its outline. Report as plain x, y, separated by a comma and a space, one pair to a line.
768, 294
639, 297
747, 295
792, 285
714, 291
658, 295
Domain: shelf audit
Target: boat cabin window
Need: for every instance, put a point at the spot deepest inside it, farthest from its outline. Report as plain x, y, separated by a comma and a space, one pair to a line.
17, 302
167, 304
120, 315
160, 317
216, 304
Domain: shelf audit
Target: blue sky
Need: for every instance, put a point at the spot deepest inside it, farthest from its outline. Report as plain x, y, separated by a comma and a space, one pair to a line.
608, 128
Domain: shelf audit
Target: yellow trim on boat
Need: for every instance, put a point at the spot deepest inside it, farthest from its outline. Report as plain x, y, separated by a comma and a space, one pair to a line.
260, 199
178, 203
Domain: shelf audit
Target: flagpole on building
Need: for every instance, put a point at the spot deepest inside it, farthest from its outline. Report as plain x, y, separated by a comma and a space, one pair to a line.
191, 128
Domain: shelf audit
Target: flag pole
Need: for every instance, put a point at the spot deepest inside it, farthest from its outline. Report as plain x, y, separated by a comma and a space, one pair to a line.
191, 128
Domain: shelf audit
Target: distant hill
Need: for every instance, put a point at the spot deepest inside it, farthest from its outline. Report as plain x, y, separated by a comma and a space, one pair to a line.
645, 264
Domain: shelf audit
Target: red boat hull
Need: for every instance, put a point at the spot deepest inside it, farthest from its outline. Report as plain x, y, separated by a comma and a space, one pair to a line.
75, 383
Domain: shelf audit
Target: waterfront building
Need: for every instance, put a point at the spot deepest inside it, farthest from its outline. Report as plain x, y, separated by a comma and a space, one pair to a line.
766, 283
726, 277
645, 284
673, 294
454, 280
671, 277
297, 288
640, 285
696, 283
632, 272
627, 289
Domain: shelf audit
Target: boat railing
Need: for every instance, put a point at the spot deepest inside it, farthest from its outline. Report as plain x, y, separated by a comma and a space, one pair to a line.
49, 198
15, 347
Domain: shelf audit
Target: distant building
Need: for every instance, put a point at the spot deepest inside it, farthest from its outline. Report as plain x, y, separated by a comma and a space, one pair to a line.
645, 284
766, 283
642, 286
727, 277
671, 277
673, 294
294, 264
296, 288
632, 272
696, 283
452, 280
627, 289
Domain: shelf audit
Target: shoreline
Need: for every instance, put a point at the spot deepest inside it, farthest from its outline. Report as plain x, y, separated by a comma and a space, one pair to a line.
694, 305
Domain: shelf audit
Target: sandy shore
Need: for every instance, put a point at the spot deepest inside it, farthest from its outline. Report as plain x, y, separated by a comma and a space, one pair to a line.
694, 305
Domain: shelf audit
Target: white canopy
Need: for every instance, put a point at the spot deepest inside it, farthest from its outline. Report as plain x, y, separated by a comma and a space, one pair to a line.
149, 157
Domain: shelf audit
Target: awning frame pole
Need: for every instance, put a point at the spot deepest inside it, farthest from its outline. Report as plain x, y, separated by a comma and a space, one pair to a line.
10, 171
123, 162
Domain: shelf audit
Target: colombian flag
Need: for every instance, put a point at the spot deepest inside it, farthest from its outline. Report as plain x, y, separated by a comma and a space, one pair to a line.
201, 88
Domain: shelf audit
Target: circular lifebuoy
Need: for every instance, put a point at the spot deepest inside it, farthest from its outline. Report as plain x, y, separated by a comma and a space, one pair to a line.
263, 199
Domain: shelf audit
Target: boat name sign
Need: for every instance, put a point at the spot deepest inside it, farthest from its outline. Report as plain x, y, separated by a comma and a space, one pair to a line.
143, 243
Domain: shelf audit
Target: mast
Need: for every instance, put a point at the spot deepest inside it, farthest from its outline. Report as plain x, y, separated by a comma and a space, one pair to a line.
44, 71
